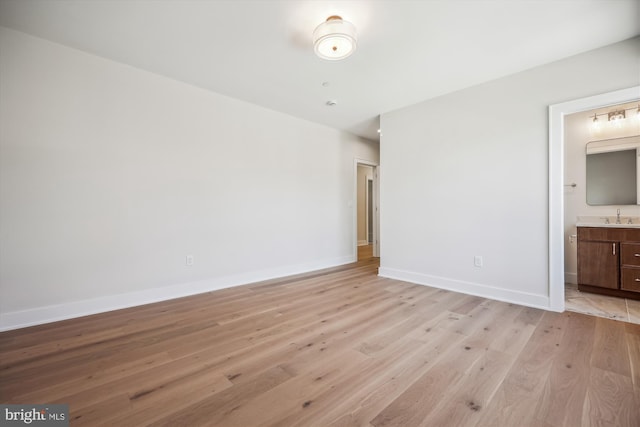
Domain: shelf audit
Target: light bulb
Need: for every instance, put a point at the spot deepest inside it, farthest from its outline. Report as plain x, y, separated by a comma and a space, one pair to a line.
617, 123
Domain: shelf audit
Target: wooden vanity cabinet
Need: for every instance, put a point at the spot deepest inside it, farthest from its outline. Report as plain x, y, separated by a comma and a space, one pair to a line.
609, 261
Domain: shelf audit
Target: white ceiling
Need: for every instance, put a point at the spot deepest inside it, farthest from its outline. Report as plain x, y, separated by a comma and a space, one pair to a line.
260, 51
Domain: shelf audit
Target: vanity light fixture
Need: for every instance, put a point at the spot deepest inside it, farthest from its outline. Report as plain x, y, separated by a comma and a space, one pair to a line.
615, 119
616, 115
335, 39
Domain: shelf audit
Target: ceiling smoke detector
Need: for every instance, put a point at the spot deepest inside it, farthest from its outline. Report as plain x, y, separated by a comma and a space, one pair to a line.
334, 39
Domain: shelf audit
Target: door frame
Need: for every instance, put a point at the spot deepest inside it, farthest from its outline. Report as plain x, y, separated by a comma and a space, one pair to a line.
376, 208
556, 180
368, 217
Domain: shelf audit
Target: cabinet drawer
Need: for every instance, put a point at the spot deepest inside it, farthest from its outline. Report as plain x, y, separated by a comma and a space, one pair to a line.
630, 254
604, 234
630, 279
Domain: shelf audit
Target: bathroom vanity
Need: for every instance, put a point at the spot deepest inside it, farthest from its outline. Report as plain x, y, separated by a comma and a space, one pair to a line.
609, 259
609, 247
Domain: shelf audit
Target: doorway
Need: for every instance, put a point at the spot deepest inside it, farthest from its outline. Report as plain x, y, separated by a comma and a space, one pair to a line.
587, 146
557, 113
366, 242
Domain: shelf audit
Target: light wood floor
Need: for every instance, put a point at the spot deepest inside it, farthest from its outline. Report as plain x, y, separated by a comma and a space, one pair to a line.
341, 347
365, 252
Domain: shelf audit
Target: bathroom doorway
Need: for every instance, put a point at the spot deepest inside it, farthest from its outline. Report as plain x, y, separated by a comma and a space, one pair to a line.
585, 138
558, 180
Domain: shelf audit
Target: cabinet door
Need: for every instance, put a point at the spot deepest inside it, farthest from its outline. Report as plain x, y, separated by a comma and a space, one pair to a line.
630, 254
630, 280
598, 264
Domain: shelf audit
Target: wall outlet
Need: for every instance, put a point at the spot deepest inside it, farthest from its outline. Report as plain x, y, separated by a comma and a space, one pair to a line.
477, 261
189, 260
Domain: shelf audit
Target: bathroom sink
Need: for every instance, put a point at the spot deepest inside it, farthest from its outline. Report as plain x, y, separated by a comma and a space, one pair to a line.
608, 221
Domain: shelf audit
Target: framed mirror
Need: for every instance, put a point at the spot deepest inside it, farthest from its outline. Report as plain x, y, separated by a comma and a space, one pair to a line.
612, 171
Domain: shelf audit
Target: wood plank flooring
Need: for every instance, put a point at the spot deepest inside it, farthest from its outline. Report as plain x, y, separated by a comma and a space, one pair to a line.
339, 347
365, 252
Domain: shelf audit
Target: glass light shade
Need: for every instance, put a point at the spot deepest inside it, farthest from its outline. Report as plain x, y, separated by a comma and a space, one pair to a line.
334, 39
617, 123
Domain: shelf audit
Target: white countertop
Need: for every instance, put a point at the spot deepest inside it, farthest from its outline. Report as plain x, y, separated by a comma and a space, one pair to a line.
602, 224
597, 221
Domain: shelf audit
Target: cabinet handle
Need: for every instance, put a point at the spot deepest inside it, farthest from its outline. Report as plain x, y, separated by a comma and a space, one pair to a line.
636, 254
614, 248
637, 280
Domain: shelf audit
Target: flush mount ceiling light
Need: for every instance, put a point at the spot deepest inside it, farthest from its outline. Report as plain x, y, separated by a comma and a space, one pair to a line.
334, 39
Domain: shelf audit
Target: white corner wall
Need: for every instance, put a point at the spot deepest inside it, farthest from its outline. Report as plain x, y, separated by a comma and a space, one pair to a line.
467, 174
110, 176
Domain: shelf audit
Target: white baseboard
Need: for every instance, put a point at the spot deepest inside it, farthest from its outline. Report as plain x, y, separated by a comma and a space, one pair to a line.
54, 313
571, 278
362, 243
500, 294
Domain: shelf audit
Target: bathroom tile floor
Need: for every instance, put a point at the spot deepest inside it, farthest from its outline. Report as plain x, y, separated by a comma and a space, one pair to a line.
626, 310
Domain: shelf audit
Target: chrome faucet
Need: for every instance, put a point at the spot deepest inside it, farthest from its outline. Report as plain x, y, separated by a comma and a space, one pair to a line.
618, 218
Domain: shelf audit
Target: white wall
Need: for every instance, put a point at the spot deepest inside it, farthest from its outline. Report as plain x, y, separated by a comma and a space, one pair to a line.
577, 134
110, 176
467, 174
